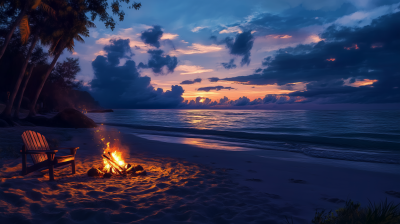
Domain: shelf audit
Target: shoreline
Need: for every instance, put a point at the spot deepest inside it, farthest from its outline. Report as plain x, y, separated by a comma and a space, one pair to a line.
294, 185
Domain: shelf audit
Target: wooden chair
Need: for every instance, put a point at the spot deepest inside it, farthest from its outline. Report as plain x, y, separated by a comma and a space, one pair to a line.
42, 156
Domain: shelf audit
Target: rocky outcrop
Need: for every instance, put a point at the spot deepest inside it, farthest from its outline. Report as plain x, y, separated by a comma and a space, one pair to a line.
68, 118
71, 118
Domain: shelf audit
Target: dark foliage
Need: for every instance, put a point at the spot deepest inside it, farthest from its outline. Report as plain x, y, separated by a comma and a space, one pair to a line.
382, 213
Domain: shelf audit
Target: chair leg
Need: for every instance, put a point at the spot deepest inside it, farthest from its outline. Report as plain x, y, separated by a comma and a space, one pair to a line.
50, 158
24, 170
73, 167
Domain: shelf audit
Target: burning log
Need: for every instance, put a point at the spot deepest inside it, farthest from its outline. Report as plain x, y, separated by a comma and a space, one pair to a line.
116, 166
107, 175
129, 169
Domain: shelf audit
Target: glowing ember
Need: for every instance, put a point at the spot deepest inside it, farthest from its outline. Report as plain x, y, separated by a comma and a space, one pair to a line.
331, 59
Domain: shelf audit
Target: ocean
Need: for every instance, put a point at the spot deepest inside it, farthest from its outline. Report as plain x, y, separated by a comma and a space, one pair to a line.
365, 136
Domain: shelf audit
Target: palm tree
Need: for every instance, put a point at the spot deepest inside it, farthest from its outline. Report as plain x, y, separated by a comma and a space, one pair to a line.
38, 57
94, 7
22, 91
40, 19
72, 25
7, 111
22, 20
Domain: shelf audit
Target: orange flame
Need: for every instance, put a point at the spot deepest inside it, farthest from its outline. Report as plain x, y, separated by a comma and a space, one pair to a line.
116, 155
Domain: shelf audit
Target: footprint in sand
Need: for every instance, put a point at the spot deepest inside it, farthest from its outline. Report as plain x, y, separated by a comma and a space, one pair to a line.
297, 181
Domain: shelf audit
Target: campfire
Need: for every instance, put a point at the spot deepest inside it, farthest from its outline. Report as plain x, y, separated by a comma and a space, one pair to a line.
114, 164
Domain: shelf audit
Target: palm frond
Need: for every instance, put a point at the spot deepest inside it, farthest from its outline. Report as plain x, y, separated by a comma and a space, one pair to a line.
36, 3
90, 24
48, 9
79, 39
24, 29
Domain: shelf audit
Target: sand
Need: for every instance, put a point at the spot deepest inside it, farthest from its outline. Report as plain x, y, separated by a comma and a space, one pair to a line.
185, 183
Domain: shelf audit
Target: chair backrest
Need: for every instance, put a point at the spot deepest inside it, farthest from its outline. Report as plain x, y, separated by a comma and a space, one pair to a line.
35, 141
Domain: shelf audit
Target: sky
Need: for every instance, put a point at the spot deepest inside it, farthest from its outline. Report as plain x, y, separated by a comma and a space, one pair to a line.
254, 54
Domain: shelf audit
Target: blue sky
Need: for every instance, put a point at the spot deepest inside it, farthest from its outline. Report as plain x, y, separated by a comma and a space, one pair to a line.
288, 54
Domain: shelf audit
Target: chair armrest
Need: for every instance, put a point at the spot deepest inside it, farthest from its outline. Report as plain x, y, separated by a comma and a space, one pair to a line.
67, 148
72, 150
39, 151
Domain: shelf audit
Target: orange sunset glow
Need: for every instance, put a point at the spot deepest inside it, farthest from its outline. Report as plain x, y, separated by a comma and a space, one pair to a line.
354, 46
365, 82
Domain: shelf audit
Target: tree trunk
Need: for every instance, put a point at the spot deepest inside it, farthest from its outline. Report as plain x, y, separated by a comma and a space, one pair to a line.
7, 111
22, 91
12, 28
32, 111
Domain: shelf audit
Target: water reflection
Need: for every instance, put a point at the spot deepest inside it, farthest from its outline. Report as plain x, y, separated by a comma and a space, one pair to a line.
198, 142
378, 126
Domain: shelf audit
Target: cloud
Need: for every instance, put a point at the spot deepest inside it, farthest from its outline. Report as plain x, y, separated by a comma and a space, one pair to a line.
116, 50
192, 69
217, 88
233, 29
229, 65
152, 36
197, 29
122, 86
196, 48
157, 61
295, 18
213, 79
346, 53
284, 36
241, 46
168, 36
225, 102
191, 81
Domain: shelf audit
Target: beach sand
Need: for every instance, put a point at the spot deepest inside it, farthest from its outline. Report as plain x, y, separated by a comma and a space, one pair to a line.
185, 183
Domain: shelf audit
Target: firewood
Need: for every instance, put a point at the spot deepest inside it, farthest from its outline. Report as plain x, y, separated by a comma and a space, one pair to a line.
138, 167
107, 175
113, 164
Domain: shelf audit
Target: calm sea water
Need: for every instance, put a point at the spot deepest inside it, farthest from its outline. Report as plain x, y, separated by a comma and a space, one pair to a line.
370, 136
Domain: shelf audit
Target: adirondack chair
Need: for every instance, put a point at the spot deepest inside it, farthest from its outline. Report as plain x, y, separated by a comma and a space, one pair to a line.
42, 156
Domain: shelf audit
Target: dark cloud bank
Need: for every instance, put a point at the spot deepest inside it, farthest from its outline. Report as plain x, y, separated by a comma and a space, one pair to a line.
152, 36
216, 88
187, 82
240, 46
158, 59
369, 52
230, 65
122, 86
